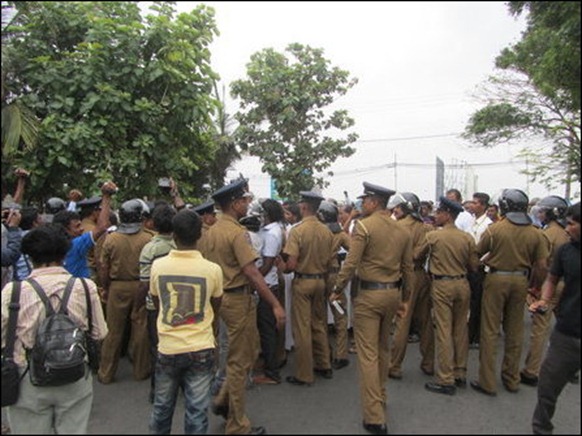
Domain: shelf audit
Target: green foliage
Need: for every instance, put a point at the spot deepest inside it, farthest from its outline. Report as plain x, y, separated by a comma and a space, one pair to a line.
283, 117
537, 93
118, 96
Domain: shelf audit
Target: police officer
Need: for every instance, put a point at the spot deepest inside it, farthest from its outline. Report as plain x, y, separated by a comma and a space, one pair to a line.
328, 213
453, 253
406, 209
552, 215
208, 214
381, 252
120, 280
309, 252
228, 244
512, 248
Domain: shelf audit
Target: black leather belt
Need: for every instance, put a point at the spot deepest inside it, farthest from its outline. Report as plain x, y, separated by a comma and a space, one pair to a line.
238, 289
378, 285
299, 275
437, 277
509, 273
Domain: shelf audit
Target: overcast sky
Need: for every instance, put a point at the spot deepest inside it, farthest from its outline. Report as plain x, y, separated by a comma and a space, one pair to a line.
417, 64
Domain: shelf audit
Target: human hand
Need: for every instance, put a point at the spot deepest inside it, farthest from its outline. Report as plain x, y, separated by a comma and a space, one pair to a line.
280, 316
21, 172
109, 188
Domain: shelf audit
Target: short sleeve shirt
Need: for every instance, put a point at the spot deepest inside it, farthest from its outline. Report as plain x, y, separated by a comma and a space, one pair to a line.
184, 282
76, 259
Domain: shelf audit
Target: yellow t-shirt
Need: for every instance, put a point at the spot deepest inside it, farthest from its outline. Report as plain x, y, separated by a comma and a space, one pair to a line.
184, 282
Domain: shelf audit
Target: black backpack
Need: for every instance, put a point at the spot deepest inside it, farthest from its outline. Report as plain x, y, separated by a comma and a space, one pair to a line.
58, 355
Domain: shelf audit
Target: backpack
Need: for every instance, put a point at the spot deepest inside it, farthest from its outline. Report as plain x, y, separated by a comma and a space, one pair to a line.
58, 355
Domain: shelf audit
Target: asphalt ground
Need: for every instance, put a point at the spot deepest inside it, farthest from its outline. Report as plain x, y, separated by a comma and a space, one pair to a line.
333, 406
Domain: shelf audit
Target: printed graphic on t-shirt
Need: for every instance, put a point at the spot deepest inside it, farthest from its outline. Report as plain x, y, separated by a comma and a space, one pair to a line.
183, 299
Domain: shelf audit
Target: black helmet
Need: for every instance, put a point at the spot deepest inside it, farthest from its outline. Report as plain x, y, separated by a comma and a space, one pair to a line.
54, 205
555, 208
131, 214
328, 212
513, 205
408, 202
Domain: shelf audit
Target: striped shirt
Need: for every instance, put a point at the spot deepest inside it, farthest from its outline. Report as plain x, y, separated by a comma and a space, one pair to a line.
32, 312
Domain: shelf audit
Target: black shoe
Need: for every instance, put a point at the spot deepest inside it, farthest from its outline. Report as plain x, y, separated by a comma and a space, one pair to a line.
220, 410
258, 430
474, 346
295, 381
461, 382
325, 373
395, 375
340, 363
441, 389
575, 379
413, 338
475, 385
528, 380
376, 428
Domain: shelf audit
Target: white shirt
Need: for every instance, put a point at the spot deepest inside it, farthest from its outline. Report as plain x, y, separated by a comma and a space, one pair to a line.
464, 221
272, 237
479, 226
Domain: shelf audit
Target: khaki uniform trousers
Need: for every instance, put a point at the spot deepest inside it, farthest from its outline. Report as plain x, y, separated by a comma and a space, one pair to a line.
309, 328
424, 320
541, 327
374, 312
120, 308
503, 300
402, 328
239, 312
340, 321
450, 302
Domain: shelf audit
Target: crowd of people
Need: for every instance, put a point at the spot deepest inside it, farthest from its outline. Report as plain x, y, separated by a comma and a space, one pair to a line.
207, 299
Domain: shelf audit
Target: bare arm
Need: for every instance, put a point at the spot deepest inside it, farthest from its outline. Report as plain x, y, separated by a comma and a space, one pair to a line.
107, 191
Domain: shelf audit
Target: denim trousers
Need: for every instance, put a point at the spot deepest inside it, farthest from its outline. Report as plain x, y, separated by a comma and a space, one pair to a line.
193, 373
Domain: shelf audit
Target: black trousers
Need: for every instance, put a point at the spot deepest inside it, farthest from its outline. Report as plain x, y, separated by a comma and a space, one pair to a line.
476, 283
267, 327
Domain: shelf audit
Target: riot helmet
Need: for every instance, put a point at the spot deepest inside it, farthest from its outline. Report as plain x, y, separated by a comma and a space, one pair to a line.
54, 205
408, 202
555, 208
513, 205
328, 212
131, 214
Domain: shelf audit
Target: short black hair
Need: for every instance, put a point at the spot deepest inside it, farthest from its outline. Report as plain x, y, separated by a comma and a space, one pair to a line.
293, 208
46, 244
483, 198
456, 193
64, 218
273, 210
162, 215
574, 212
29, 216
187, 227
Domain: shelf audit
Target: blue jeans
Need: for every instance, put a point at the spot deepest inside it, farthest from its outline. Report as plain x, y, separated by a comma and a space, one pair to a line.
193, 372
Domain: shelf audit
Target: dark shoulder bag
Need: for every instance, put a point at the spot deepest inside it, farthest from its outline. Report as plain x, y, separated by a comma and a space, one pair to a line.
93, 346
10, 376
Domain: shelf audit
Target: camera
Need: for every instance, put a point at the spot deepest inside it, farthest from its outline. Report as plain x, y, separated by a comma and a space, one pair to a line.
164, 185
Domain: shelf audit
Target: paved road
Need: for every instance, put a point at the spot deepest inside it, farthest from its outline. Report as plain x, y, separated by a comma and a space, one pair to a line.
333, 406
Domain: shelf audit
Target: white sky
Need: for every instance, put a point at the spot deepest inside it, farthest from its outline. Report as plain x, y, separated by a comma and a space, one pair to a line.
417, 64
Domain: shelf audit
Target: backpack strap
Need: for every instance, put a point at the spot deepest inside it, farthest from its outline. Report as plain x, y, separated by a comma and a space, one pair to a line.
12, 318
89, 307
40, 292
47, 304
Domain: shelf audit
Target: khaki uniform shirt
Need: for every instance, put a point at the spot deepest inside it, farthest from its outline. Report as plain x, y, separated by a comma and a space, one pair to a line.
453, 252
121, 254
312, 243
228, 244
340, 240
557, 236
511, 247
418, 231
380, 251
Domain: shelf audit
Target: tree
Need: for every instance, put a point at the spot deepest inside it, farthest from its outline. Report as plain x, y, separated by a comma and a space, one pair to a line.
283, 119
537, 94
119, 96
